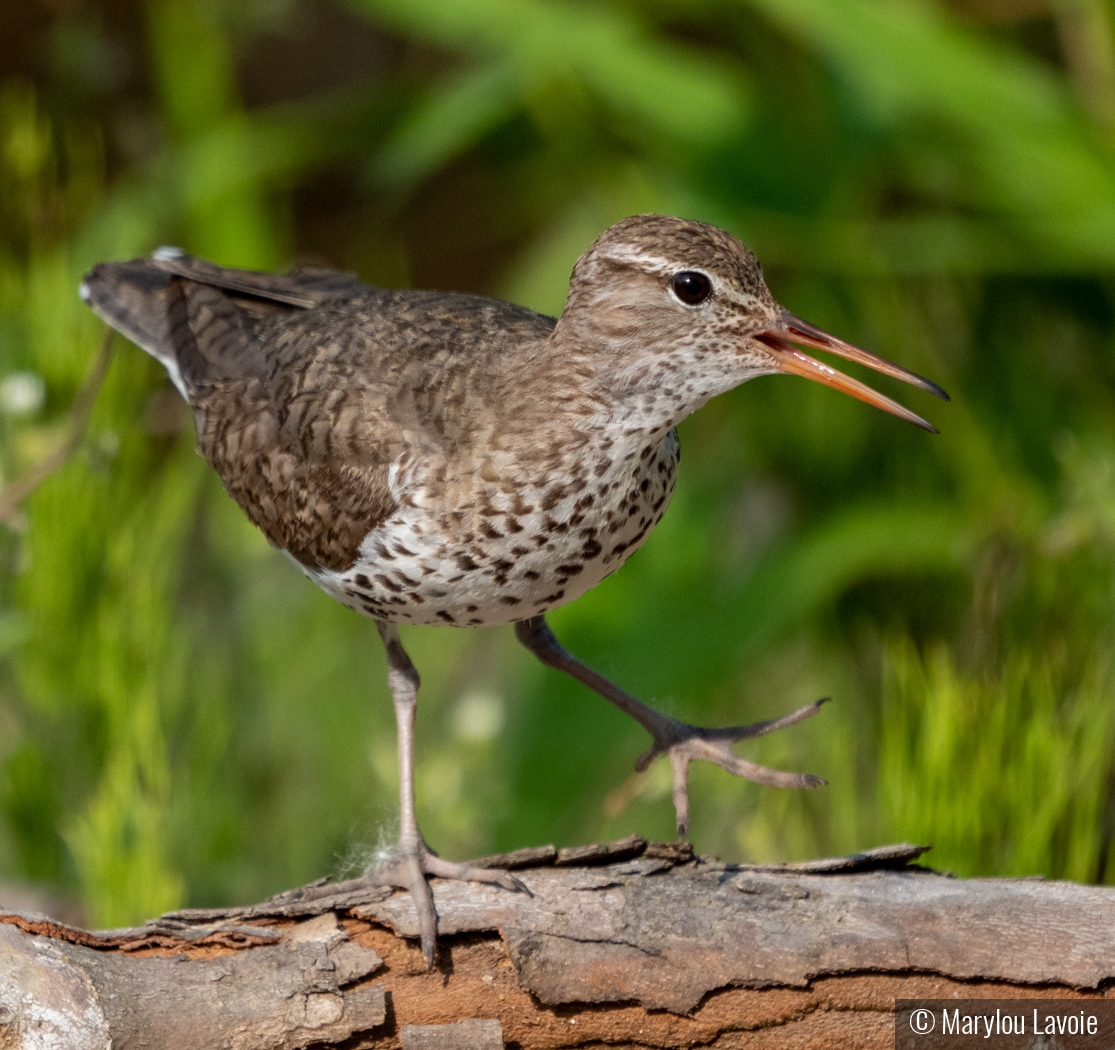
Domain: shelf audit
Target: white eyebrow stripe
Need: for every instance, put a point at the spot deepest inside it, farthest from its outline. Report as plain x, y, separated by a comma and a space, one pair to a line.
659, 265
654, 263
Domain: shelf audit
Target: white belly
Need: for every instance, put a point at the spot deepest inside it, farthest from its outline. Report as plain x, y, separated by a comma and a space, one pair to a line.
418, 567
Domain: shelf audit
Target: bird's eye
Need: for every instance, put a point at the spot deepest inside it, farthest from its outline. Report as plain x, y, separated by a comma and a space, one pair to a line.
692, 287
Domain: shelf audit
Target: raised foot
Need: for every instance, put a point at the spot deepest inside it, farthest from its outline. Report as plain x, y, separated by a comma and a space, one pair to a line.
685, 743
409, 869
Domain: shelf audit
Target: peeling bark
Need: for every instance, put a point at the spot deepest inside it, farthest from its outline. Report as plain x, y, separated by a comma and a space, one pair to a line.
626, 944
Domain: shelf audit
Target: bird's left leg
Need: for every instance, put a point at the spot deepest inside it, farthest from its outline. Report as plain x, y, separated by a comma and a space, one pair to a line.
683, 743
413, 860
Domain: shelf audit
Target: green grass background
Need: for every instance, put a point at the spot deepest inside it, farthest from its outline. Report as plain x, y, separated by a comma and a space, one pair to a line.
185, 720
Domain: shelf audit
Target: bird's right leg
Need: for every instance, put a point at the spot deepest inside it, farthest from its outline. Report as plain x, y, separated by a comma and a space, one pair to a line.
681, 742
413, 860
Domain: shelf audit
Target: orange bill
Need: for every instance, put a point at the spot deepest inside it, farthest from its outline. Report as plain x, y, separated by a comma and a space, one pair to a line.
792, 360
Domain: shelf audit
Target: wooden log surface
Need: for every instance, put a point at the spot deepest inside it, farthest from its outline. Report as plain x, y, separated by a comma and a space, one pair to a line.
628, 944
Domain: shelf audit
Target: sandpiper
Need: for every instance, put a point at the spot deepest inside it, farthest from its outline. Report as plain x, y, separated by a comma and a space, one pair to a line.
443, 459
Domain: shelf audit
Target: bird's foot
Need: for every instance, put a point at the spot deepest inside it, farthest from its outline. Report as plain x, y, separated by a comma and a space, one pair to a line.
411, 866
685, 743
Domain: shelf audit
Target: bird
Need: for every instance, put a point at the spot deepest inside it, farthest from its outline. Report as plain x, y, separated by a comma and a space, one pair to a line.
444, 459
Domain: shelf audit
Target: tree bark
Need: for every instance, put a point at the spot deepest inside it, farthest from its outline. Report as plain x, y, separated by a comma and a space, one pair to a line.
626, 945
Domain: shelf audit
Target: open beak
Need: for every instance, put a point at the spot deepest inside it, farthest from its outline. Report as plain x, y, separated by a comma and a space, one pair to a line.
796, 362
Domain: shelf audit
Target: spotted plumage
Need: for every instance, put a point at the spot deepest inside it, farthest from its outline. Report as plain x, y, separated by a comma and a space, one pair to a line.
499, 555
442, 459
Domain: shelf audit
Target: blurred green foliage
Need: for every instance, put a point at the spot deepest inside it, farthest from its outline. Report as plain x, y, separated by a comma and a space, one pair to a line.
183, 719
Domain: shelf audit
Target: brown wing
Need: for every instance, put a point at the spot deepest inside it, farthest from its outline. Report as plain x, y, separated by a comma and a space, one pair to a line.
134, 297
277, 457
307, 387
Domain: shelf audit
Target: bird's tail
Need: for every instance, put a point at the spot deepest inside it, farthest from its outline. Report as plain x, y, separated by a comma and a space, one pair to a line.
197, 318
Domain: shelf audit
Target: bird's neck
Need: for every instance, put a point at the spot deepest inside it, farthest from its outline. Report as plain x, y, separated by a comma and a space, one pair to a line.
643, 386
630, 388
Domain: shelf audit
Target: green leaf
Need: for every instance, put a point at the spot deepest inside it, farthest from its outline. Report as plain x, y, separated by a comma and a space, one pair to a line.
1033, 155
667, 89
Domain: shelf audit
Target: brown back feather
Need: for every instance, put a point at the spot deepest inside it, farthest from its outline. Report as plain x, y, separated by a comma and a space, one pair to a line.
306, 387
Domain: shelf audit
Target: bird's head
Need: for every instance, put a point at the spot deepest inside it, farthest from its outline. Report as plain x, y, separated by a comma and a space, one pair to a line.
677, 311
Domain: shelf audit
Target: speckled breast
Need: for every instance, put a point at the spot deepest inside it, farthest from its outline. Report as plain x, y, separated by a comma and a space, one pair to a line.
532, 549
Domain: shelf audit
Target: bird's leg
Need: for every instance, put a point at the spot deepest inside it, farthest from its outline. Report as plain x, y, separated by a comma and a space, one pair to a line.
413, 860
682, 743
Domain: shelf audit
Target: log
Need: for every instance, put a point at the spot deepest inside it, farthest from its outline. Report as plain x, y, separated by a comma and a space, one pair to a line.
625, 944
